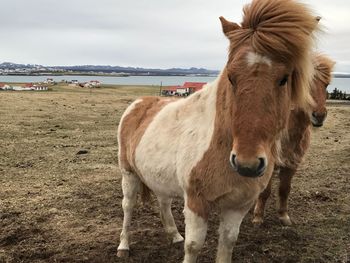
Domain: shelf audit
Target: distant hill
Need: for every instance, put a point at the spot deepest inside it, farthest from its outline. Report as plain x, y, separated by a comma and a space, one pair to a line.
28, 69
341, 75
106, 69
9, 65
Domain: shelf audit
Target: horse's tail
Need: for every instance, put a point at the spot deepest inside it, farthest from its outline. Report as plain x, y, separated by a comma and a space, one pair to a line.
145, 194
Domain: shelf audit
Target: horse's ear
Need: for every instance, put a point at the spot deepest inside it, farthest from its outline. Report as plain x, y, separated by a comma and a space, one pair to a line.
228, 26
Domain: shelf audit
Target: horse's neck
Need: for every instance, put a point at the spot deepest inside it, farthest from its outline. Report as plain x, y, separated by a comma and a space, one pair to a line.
212, 107
206, 97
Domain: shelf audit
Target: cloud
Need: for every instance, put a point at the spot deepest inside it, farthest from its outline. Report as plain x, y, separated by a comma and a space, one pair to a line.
142, 33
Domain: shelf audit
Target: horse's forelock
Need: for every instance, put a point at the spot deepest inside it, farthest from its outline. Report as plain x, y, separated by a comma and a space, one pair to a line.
323, 67
280, 29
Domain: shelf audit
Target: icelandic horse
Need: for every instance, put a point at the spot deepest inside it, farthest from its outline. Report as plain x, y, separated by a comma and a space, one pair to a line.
218, 147
297, 141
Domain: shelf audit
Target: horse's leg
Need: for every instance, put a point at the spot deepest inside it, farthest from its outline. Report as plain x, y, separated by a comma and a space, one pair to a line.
230, 222
196, 231
130, 186
286, 176
259, 209
168, 219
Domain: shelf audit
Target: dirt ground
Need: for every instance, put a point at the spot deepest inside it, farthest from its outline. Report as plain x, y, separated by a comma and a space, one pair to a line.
60, 195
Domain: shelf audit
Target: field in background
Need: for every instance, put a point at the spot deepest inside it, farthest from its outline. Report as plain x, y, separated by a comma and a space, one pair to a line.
60, 195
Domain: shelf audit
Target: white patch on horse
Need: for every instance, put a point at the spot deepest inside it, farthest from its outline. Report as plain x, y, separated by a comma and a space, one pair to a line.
196, 231
176, 140
230, 222
255, 58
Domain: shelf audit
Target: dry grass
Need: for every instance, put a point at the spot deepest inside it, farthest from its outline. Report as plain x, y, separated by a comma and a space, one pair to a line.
60, 206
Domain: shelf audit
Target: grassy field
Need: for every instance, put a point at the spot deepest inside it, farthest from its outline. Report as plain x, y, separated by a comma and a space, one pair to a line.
60, 195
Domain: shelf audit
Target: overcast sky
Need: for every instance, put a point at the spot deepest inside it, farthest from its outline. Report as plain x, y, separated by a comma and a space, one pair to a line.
142, 33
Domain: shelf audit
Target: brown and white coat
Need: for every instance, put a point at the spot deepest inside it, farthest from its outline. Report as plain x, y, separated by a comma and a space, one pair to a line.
228, 135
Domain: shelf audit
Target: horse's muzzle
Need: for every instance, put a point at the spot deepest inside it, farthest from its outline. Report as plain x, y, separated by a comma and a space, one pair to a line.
253, 169
317, 119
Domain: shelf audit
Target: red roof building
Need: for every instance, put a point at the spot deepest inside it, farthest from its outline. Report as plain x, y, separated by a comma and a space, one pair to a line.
169, 90
194, 86
186, 89
189, 88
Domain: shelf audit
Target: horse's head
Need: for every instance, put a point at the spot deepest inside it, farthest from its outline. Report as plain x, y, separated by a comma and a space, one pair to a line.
268, 70
323, 76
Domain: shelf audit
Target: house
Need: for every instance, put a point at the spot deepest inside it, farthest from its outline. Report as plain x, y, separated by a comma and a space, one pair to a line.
5, 87
90, 84
169, 90
191, 87
49, 81
20, 88
186, 89
39, 87
95, 83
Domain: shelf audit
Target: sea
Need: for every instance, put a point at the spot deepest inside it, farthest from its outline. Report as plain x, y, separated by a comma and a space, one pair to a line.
342, 84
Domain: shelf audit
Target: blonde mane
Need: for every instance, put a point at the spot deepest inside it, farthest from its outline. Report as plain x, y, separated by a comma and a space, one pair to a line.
282, 30
323, 67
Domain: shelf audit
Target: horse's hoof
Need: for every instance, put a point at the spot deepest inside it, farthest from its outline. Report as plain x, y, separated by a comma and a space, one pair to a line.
123, 253
177, 238
257, 221
285, 220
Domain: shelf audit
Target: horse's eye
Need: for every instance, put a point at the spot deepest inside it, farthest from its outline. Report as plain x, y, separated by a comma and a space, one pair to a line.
283, 81
232, 80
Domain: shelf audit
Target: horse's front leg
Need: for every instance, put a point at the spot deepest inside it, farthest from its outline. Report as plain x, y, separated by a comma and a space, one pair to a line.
259, 208
260, 205
230, 221
195, 233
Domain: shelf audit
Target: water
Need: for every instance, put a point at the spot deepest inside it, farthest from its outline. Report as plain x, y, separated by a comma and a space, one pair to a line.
339, 83
132, 80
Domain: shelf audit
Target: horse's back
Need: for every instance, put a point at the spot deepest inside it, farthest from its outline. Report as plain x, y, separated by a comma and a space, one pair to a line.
132, 126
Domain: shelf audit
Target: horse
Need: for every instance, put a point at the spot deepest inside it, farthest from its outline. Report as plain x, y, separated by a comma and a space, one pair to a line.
297, 142
217, 148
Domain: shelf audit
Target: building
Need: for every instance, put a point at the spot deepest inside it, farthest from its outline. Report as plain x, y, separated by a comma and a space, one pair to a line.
191, 87
95, 83
49, 81
170, 90
186, 89
5, 87
90, 84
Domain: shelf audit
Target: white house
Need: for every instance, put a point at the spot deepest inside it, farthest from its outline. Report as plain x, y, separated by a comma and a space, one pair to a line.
5, 87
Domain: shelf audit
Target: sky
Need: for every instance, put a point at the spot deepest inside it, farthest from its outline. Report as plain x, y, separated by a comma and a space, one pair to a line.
142, 33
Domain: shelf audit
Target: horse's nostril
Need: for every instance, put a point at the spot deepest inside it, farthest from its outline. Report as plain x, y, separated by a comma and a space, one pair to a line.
233, 161
314, 114
262, 165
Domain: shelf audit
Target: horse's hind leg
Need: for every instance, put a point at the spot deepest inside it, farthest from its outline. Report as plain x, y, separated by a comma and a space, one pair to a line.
130, 185
286, 176
168, 219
